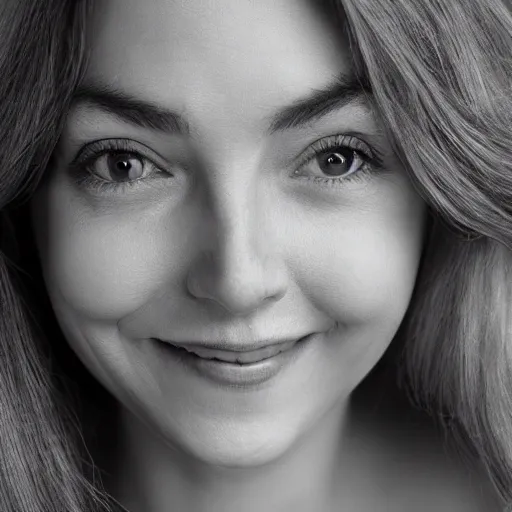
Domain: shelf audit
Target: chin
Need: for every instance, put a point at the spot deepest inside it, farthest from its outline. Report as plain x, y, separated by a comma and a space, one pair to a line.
240, 456
237, 448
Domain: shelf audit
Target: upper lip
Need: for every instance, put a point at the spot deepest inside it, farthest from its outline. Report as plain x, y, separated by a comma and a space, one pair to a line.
234, 345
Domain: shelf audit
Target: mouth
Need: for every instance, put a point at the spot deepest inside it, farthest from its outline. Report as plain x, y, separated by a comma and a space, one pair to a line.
235, 365
233, 353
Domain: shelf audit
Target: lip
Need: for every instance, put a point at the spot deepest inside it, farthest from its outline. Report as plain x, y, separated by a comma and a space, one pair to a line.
235, 374
246, 353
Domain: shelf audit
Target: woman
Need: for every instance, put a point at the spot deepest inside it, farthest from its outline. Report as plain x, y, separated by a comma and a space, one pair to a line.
226, 220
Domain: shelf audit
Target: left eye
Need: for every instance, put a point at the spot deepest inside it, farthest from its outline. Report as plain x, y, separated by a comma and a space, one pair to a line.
338, 162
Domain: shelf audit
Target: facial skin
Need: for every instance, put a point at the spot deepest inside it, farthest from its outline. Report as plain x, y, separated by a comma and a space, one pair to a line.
229, 242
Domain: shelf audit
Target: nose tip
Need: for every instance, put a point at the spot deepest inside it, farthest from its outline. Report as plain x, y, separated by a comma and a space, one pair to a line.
240, 286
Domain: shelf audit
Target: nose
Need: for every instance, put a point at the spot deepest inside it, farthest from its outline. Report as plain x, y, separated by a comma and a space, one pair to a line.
241, 269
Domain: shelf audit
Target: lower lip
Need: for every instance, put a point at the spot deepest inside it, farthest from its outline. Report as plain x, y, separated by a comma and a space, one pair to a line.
234, 374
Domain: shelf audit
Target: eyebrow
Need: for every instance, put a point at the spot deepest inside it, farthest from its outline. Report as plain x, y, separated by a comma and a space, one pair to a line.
343, 90
130, 108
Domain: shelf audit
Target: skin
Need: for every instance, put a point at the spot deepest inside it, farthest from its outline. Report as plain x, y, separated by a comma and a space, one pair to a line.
232, 244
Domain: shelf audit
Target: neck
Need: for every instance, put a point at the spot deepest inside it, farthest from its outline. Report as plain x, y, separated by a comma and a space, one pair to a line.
148, 475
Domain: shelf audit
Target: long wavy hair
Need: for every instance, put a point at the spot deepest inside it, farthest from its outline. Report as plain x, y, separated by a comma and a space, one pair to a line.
441, 72
441, 76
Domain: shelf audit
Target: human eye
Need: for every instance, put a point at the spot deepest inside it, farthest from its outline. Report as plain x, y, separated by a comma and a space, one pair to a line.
337, 160
115, 166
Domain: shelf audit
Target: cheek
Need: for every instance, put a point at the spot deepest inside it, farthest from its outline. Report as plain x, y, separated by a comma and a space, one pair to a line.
357, 265
360, 268
102, 266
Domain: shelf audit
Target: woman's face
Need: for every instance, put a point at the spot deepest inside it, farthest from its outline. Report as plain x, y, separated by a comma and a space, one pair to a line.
215, 185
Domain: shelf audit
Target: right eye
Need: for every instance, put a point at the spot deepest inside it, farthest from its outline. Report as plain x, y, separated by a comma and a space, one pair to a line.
113, 165
121, 166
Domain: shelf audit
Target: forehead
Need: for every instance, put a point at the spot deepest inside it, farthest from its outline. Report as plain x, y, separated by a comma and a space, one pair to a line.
218, 56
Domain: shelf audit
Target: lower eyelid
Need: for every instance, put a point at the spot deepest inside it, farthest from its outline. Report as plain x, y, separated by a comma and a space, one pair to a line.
366, 171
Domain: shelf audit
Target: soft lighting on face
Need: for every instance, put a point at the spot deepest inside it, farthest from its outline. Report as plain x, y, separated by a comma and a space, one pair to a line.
216, 184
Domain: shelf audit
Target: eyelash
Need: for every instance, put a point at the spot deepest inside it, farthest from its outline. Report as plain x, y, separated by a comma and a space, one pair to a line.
84, 177
371, 157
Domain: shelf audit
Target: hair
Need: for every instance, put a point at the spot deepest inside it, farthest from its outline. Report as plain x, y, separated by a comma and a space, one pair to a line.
42, 464
441, 76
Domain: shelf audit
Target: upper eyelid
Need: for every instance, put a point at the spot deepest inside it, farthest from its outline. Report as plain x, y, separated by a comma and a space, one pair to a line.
91, 150
350, 141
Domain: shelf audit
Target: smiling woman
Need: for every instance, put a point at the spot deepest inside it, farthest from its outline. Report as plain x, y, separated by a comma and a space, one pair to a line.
228, 230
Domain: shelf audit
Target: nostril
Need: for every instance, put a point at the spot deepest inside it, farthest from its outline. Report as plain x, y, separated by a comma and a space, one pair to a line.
240, 265
239, 288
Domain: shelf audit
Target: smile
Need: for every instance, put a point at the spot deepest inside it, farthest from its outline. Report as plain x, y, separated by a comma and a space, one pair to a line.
234, 368
238, 357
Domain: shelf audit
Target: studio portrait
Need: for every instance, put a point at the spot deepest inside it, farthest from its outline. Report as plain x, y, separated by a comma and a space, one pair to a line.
256, 256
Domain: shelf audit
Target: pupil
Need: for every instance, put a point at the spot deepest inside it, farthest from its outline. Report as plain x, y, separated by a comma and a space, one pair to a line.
336, 163
121, 166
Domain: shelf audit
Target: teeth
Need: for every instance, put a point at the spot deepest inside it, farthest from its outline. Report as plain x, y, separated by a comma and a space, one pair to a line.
239, 357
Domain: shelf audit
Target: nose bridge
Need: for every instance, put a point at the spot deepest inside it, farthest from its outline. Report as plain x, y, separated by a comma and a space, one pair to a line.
235, 203
240, 266
236, 214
